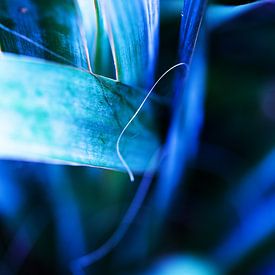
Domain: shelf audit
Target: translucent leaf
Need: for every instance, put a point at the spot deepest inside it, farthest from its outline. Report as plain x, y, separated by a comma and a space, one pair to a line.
133, 33
51, 112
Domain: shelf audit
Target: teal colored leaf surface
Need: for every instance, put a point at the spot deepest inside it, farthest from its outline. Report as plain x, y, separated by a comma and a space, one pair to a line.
54, 113
253, 229
217, 15
133, 32
46, 29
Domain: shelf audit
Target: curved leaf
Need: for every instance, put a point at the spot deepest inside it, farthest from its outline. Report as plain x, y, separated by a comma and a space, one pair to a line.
50, 112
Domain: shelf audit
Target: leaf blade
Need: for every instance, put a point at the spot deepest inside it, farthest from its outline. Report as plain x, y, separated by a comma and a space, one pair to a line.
182, 137
66, 115
135, 51
53, 25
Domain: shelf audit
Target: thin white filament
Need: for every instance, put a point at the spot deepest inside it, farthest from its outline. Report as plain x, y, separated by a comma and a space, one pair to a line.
125, 164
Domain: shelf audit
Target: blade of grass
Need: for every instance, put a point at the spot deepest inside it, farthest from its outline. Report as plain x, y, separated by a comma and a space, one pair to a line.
54, 113
103, 59
53, 24
133, 33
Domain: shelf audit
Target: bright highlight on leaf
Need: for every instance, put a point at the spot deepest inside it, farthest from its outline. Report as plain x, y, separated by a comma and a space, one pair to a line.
88, 111
81, 84
133, 33
52, 118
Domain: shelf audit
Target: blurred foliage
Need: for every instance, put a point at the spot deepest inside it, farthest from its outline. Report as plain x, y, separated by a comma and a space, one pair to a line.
51, 215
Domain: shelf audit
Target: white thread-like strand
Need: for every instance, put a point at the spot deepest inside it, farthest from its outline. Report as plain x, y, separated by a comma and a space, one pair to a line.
125, 164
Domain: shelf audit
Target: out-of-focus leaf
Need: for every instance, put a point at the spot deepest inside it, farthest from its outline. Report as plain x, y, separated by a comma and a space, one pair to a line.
70, 240
24, 240
182, 264
192, 13
51, 112
217, 15
169, 10
89, 259
187, 112
185, 127
46, 29
11, 195
133, 33
255, 185
254, 228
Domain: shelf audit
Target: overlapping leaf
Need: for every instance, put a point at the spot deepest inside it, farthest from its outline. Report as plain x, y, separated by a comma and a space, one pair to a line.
54, 113
45, 29
51, 112
133, 32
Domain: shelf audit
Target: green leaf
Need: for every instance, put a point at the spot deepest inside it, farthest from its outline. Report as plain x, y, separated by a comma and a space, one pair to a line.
56, 113
133, 33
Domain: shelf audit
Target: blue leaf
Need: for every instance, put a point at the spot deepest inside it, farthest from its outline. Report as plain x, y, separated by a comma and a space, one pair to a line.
58, 113
181, 265
258, 225
188, 104
133, 32
217, 15
47, 30
254, 185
